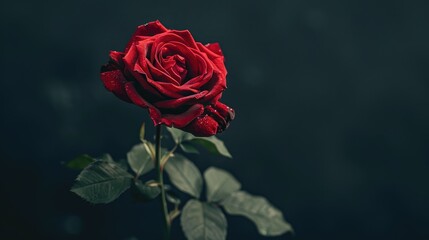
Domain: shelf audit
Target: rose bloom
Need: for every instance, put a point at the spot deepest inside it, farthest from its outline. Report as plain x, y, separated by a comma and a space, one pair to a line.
178, 79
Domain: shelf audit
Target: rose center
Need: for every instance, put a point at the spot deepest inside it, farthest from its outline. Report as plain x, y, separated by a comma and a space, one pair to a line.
175, 65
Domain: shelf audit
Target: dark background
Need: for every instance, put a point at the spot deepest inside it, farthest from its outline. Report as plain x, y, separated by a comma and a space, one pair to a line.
331, 100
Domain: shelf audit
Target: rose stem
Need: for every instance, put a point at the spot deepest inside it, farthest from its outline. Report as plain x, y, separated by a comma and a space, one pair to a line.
161, 182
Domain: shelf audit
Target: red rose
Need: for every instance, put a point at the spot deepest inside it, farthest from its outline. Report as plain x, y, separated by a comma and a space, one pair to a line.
178, 79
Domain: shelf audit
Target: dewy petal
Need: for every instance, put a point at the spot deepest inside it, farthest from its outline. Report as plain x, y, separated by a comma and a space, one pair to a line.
202, 126
222, 114
148, 29
215, 119
178, 120
227, 113
114, 81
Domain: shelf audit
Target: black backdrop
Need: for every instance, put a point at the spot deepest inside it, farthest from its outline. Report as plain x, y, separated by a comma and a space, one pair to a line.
331, 100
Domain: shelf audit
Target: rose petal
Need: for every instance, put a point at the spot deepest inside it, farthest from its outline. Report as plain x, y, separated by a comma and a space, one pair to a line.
177, 120
202, 126
227, 113
139, 71
141, 78
142, 50
130, 57
217, 85
187, 37
148, 29
205, 73
215, 48
174, 103
166, 38
135, 96
169, 89
117, 58
114, 81
215, 119
175, 66
215, 55
193, 62
159, 74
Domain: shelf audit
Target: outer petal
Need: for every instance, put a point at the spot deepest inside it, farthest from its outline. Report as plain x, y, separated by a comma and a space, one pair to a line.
216, 86
148, 29
187, 38
202, 126
135, 96
116, 57
114, 81
176, 120
223, 115
214, 53
215, 119
130, 57
135, 72
215, 48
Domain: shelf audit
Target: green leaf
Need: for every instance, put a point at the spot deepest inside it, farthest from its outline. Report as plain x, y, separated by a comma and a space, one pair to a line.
106, 157
213, 145
188, 148
203, 221
142, 132
140, 160
220, 184
80, 162
268, 219
102, 182
123, 164
184, 175
147, 191
179, 135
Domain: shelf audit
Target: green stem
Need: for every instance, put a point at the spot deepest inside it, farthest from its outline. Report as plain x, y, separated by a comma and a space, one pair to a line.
161, 183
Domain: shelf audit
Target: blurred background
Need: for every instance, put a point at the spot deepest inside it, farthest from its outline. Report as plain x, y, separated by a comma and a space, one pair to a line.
332, 110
